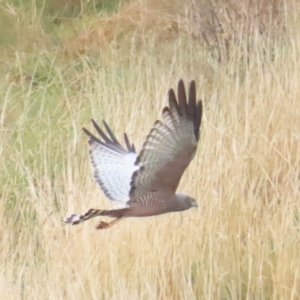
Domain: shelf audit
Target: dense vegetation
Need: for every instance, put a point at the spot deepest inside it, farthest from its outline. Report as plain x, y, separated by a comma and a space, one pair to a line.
63, 62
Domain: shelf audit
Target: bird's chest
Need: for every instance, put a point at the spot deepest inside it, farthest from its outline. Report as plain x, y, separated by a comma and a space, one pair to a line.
151, 204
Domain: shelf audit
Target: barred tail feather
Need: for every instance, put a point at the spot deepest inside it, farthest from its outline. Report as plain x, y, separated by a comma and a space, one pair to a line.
75, 219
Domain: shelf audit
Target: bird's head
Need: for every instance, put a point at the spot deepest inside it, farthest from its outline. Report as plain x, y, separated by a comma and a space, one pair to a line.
184, 202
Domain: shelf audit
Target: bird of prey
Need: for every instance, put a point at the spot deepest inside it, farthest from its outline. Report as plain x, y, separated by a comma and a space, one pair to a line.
145, 183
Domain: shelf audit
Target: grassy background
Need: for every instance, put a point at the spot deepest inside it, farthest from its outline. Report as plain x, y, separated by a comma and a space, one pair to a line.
63, 63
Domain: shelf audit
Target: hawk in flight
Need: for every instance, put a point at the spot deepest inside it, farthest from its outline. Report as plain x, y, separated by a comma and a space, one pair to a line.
145, 183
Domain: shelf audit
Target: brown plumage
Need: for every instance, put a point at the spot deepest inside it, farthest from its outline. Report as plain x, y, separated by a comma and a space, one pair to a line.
146, 183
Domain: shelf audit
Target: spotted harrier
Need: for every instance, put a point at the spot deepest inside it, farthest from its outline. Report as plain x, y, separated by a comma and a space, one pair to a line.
145, 183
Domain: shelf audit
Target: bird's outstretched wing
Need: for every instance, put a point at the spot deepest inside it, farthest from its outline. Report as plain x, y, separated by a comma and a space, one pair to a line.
169, 147
113, 164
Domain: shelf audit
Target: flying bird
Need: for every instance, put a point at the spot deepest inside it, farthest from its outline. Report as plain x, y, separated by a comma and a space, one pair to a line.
145, 183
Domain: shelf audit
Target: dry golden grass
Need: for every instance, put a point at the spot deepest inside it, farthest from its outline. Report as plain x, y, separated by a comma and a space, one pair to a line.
242, 242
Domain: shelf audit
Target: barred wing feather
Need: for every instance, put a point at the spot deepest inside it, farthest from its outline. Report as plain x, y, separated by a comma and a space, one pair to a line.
146, 183
113, 165
169, 147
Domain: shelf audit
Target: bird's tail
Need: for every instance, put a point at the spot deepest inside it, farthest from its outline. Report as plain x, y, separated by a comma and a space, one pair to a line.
76, 219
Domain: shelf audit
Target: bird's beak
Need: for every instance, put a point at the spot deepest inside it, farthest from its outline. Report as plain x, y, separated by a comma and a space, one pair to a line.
195, 204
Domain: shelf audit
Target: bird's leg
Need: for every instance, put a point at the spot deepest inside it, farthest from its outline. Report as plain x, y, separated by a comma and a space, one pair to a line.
104, 225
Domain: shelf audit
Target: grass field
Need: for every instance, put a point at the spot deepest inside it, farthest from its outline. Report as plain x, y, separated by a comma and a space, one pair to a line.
64, 64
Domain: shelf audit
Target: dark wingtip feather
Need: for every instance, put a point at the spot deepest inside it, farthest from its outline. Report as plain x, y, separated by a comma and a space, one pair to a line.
109, 140
130, 148
173, 105
192, 99
133, 148
88, 133
110, 133
184, 108
100, 131
127, 142
198, 118
91, 136
181, 97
